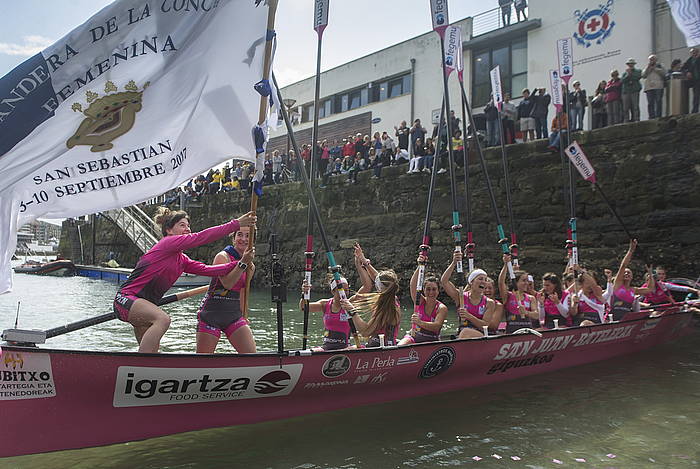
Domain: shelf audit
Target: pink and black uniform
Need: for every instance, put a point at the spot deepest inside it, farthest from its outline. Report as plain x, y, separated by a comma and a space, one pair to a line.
475, 310
661, 293
621, 302
514, 319
160, 267
554, 311
593, 309
419, 334
337, 328
220, 309
391, 333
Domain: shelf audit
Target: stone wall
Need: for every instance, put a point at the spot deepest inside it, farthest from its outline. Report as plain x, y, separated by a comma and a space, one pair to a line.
649, 170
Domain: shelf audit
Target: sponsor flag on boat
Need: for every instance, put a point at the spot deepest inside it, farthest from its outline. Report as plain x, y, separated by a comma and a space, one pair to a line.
438, 13
140, 98
580, 161
565, 55
686, 14
555, 89
496, 87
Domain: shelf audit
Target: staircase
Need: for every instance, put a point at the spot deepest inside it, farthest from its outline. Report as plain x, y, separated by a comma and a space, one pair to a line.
136, 225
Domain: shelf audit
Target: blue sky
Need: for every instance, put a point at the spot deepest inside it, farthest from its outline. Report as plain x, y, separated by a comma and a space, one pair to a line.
355, 28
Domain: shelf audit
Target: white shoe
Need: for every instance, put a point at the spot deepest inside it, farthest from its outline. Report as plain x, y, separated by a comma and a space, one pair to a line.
426, 170
442, 171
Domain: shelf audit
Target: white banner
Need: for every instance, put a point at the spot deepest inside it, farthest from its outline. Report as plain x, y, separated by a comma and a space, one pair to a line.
579, 159
686, 14
555, 89
321, 15
140, 98
438, 13
453, 49
496, 87
565, 54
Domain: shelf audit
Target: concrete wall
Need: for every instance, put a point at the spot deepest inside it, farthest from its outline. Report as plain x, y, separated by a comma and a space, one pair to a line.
426, 88
629, 37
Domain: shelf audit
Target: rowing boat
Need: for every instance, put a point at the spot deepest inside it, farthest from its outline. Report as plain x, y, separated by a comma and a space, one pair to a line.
58, 268
65, 399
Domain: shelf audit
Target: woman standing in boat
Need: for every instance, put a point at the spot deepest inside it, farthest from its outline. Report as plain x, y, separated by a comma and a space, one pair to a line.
158, 269
429, 315
222, 307
474, 308
623, 293
553, 302
520, 307
385, 311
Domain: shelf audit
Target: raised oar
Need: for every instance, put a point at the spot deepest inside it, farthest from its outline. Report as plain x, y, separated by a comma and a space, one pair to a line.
258, 133
502, 240
74, 326
450, 57
335, 268
320, 23
471, 246
497, 93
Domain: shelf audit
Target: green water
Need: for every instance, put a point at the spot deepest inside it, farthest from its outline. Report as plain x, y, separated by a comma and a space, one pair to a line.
634, 411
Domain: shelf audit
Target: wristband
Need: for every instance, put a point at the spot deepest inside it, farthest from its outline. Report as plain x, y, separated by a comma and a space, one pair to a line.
242, 265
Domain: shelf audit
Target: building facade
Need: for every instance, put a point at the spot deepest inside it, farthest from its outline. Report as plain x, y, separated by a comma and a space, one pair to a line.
404, 81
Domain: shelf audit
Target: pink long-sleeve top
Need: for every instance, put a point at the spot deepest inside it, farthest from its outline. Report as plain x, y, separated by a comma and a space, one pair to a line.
160, 267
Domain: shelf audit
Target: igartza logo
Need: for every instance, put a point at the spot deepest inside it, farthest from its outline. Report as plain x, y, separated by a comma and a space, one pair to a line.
273, 382
143, 386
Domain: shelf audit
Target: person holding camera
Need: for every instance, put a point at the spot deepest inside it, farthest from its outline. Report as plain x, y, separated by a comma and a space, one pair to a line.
553, 302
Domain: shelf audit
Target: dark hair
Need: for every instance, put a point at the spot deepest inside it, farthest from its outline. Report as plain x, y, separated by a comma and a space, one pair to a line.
167, 218
553, 278
433, 279
514, 281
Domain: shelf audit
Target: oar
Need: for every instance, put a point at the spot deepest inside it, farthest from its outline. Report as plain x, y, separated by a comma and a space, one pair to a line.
450, 62
262, 116
502, 240
335, 268
74, 326
471, 246
497, 94
320, 23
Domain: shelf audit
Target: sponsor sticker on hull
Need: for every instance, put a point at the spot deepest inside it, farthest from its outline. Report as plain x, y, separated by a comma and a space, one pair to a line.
146, 386
25, 376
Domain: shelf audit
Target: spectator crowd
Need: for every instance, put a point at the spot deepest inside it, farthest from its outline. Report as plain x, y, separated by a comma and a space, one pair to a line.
614, 101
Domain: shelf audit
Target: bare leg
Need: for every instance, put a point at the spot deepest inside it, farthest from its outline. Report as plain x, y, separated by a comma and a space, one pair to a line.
150, 322
242, 340
206, 343
469, 333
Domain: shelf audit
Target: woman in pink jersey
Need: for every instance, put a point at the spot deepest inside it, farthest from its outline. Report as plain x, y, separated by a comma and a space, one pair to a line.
520, 307
384, 309
588, 306
474, 308
623, 293
553, 302
336, 333
158, 269
222, 308
429, 315
662, 292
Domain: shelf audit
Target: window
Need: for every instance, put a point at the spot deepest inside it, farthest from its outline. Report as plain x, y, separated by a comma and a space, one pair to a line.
325, 109
512, 58
354, 98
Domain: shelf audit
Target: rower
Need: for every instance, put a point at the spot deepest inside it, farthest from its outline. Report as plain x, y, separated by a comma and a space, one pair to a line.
553, 301
520, 307
623, 296
475, 310
429, 315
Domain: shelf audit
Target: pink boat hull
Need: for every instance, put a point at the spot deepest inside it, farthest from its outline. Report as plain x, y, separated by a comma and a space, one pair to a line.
56, 399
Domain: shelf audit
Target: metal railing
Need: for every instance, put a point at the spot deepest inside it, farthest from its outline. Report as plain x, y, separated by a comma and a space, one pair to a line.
136, 224
492, 20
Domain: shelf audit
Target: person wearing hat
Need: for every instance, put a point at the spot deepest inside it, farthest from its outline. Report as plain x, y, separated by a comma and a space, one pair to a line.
631, 87
577, 106
654, 75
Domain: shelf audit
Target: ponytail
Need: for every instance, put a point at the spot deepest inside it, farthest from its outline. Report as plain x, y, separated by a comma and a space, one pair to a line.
167, 218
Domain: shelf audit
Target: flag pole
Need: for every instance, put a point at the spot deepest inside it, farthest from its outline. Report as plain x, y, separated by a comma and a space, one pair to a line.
334, 267
262, 116
320, 23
